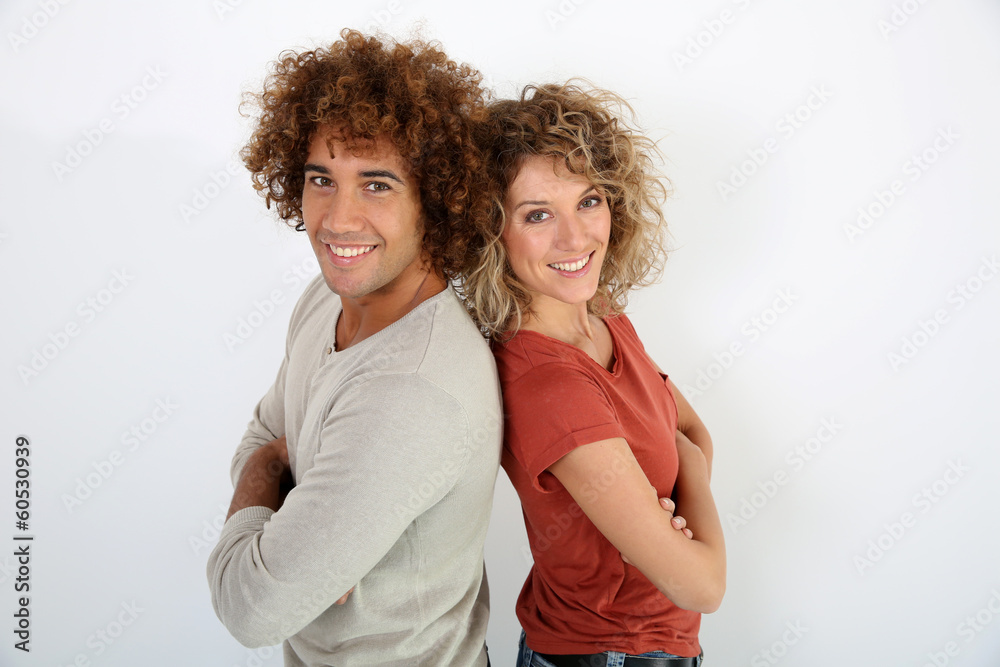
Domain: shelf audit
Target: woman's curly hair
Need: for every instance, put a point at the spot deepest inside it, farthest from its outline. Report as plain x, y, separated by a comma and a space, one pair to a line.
591, 132
410, 92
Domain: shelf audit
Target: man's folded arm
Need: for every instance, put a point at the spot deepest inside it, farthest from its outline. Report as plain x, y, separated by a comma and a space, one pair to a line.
391, 448
267, 424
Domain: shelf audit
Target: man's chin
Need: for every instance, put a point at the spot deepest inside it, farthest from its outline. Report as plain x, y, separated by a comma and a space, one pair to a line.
347, 289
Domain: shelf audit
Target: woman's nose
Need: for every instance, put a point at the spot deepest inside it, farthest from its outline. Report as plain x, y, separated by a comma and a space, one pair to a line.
570, 233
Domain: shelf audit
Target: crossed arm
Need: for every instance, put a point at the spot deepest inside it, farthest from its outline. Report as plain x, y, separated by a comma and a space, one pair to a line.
265, 481
266, 478
283, 561
690, 572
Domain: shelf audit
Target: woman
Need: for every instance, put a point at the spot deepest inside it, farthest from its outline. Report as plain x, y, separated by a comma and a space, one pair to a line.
590, 435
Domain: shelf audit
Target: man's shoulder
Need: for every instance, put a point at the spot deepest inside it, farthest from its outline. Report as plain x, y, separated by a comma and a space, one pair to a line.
315, 307
453, 344
438, 344
317, 293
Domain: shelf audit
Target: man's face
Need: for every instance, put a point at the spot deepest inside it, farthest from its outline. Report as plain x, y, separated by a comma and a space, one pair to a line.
363, 215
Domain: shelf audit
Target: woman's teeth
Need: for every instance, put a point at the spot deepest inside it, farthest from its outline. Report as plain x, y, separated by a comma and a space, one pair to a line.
575, 266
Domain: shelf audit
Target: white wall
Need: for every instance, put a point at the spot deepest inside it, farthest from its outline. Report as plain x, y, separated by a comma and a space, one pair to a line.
840, 544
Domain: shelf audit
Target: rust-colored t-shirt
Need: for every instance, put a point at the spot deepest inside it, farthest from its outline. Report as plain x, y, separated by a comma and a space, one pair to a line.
580, 597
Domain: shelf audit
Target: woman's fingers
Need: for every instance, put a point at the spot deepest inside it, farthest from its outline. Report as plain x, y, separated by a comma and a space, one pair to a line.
678, 522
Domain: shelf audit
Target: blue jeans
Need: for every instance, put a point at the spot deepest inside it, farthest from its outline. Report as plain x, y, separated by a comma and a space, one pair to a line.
528, 658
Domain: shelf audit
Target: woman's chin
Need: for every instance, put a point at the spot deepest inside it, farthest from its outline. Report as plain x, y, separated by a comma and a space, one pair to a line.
563, 297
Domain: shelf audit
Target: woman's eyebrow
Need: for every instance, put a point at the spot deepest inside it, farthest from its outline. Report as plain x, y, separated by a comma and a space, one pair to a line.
531, 202
534, 202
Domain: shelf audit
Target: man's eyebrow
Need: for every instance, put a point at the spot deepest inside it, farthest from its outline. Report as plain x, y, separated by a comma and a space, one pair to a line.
533, 202
368, 173
381, 173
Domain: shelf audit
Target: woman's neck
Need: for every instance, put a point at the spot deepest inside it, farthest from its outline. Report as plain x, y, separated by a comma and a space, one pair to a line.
571, 324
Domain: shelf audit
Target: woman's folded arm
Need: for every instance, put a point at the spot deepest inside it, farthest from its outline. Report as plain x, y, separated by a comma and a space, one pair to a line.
690, 572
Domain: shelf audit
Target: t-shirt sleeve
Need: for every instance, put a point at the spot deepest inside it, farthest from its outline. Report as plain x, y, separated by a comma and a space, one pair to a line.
551, 410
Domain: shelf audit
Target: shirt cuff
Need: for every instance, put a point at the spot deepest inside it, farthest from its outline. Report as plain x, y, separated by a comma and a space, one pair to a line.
247, 517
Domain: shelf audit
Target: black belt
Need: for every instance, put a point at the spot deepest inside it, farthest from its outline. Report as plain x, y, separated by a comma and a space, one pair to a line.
601, 660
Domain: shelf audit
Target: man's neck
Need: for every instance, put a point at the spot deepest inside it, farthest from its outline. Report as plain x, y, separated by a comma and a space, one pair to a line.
365, 316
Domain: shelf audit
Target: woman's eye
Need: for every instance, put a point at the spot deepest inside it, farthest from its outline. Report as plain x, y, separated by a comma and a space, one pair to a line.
537, 216
590, 202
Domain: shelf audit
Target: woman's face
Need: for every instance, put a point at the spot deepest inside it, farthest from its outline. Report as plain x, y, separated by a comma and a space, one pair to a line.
557, 230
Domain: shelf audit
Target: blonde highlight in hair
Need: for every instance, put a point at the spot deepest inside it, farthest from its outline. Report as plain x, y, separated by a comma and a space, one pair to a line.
592, 132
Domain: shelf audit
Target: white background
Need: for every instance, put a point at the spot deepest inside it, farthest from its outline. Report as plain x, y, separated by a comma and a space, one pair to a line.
818, 551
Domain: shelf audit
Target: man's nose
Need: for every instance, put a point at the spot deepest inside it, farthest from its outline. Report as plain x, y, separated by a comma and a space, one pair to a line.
343, 214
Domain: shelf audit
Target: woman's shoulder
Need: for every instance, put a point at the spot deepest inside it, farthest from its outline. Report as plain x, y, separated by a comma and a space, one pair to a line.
625, 334
622, 324
529, 354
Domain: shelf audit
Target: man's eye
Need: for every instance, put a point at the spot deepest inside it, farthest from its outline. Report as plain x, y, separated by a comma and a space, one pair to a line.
377, 187
321, 181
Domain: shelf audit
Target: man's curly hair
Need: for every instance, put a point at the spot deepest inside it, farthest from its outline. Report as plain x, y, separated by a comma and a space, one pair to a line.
589, 130
369, 86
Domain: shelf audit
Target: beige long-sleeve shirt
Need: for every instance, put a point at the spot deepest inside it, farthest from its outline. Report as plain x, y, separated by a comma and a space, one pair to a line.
394, 445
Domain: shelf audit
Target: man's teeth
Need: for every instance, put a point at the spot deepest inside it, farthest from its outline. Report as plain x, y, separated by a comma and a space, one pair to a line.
353, 251
575, 266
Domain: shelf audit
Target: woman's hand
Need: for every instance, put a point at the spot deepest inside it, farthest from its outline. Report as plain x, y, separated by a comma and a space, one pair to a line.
678, 522
690, 572
692, 457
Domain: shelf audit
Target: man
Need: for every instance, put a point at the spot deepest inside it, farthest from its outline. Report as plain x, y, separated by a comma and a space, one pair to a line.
384, 420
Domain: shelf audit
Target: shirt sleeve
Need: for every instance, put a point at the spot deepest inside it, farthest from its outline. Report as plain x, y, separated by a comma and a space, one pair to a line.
391, 448
268, 421
551, 410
